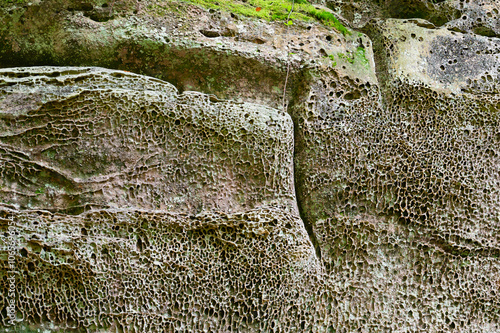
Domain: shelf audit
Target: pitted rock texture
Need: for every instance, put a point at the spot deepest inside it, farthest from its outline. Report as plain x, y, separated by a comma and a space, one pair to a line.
119, 189
475, 16
396, 168
445, 61
480, 17
402, 192
152, 271
76, 138
436, 12
451, 103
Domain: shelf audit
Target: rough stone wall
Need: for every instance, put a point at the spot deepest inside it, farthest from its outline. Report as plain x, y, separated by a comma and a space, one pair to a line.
108, 137
132, 204
402, 195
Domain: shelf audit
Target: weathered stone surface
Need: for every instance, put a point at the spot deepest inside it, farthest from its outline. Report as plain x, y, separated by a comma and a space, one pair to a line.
444, 88
182, 214
403, 195
155, 271
447, 62
477, 16
76, 137
162, 40
119, 189
358, 13
231, 56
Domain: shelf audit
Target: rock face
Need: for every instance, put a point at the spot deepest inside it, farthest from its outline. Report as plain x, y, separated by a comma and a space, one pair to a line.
120, 191
478, 17
402, 195
289, 178
95, 138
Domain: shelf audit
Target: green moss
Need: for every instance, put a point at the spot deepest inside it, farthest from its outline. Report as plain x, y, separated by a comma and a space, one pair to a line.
358, 56
150, 45
346, 57
361, 57
329, 19
273, 10
332, 58
6, 2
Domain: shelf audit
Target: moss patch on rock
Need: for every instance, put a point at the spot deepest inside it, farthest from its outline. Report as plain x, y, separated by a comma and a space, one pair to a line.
276, 10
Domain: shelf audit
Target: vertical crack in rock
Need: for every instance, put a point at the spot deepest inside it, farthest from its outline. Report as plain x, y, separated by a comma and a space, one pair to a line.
299, 84
307, 225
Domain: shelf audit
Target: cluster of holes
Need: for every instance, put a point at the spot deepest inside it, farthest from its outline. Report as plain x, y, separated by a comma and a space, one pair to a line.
103, 13
342, 92
466, 57
126, 140
424, 162
424, 167
156, 272
480, 17
398, 278
423, 157
485, 83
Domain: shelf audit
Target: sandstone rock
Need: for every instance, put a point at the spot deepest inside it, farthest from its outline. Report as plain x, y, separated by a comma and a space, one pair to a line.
145, 206
444, 88
74, 138
402, 196
115, 198
478, 17
358, 13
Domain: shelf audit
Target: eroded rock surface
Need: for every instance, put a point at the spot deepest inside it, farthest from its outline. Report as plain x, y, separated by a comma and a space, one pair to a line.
119, 191
476, 16
141, 208
77, 137
402, 195
156, 271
